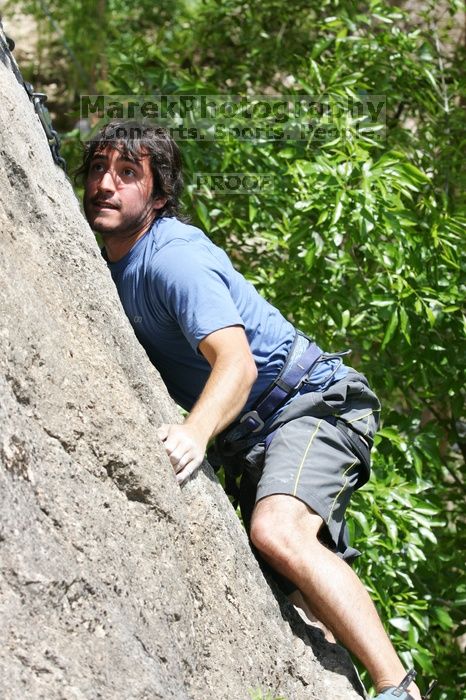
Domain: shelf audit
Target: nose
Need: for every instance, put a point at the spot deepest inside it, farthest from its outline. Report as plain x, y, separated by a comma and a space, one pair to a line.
106, 182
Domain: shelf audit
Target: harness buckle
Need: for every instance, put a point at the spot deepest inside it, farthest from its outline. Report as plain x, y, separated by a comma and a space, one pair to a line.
253, 420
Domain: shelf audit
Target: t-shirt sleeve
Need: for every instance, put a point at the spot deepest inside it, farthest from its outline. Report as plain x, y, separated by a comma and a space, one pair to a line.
193, 284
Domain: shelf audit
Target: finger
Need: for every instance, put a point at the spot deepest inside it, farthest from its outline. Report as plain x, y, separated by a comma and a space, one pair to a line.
188, 470
182, 462
179, 456
177, 448
162, 432
175, 460
177, 452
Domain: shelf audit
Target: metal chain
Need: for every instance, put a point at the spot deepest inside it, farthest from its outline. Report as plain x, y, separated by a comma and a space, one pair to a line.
38, 100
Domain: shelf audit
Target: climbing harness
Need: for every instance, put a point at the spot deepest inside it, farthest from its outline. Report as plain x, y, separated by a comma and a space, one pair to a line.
302, 358
38, 100
230, 447
285, 386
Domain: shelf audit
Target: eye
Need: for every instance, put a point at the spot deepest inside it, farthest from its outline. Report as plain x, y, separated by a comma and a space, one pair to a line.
97, 167
129, 172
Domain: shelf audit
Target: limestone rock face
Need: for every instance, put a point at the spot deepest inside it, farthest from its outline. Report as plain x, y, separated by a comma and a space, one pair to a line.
114, 582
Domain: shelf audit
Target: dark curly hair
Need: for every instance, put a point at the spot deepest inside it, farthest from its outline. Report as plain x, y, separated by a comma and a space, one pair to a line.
136, 139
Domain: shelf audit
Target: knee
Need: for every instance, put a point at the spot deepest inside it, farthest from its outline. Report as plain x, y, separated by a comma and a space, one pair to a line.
278, 534
266, 533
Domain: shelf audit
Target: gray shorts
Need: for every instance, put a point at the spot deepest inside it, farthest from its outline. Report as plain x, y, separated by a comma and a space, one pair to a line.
320, 454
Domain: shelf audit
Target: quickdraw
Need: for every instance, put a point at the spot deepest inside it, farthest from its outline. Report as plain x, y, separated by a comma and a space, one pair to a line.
38, 100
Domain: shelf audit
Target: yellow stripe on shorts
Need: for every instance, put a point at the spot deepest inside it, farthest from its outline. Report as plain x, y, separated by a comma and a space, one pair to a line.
343, 488
311, 440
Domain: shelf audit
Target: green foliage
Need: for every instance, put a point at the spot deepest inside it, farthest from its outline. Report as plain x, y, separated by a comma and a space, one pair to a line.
360, 240
265, 695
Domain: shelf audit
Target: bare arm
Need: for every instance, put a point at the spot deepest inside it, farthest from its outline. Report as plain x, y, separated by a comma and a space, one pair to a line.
224, 395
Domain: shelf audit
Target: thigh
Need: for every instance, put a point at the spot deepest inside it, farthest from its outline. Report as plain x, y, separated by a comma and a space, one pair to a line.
291, 514
247, 502
313, 461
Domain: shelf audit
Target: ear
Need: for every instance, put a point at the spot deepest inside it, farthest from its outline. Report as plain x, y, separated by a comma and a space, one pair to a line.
159, 203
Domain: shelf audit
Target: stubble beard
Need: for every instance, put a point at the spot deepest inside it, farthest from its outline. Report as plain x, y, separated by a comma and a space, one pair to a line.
128, 224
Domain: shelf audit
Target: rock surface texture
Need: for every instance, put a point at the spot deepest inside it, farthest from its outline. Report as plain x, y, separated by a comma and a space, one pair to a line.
114, 582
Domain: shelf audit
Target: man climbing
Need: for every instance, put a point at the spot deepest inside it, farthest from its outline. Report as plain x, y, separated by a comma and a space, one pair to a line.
298, 421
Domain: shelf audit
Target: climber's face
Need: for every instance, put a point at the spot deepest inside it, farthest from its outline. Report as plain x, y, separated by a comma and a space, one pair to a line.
118, 200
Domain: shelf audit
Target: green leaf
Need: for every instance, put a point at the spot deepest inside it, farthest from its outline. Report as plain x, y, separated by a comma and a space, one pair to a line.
382, 302
338, 207
404, 324
444, 618
345, 319
400, 623
391, 328
201, 211
323, 216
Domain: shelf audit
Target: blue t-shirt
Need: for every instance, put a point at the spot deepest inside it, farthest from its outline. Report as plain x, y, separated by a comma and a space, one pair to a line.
176, 288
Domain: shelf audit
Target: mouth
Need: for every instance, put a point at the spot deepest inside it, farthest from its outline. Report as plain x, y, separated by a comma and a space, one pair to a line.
101, 204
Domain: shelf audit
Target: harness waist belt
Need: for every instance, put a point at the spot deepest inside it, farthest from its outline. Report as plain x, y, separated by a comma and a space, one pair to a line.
288, 382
